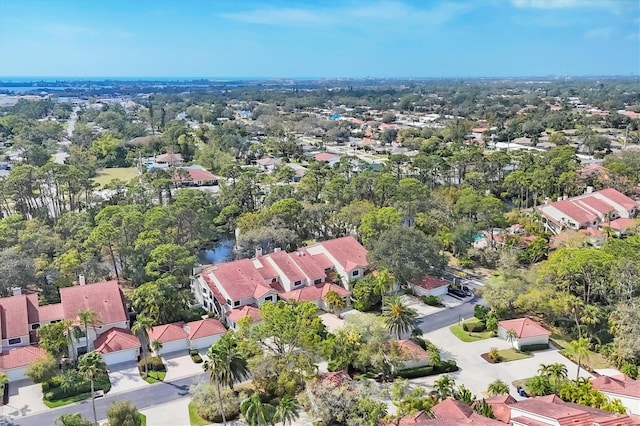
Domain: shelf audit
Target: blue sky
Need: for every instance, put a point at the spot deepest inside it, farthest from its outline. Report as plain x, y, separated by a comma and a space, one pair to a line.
197, 38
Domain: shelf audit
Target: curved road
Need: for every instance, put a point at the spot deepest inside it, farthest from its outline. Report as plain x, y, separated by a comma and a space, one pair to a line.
160, 393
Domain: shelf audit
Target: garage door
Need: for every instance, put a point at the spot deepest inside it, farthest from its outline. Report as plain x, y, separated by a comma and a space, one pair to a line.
16, 374
176, 345
204, 343
120, 356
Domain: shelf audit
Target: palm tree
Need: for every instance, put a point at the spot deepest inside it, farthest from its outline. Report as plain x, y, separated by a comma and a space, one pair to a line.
383, 282
398, 316
443, 387
141, 328
557, 372
463, 394
287, 410
511, 336
156, 346
72, 419
91, 366
579, 348
88, 319
257, 413
225, 366
334, 300
3, 381
538, 386
497, 387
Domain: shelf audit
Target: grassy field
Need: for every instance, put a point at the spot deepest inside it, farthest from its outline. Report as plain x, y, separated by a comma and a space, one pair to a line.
122, 173
513, 355
468, 337
593, 361
194, 418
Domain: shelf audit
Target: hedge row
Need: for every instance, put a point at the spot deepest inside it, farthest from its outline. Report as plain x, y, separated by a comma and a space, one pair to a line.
444, 367
154, 363
531, 348
55, 393
474, 326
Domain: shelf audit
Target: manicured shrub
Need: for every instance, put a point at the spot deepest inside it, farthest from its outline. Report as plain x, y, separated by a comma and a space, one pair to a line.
411, 373
494, 355
208, 407
448, 366
531, 348
56, 393
154, 363
195, 356
432, 300
474, 326
123, 413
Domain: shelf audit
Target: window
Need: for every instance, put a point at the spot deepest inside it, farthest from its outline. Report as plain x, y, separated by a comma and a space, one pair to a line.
15, 341
54, 321
35, 326
318, 281
268, 298
355, 273
297, 283
236, 303
229, 302
274, 280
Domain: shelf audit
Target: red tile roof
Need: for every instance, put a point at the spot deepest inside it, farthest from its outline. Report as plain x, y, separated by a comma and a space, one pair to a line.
574, 211
336, 377
621, 224
168, 332
214, 289
246, 311
104, 298
116, 339
43, 313
524, 327
14, 319
196, 174
238, 278
204, 328
596, 205
620, 385
618, 198
411, 350
499, 405
20, 357
347, 251
451, 409
430, 282
314, 292
309, 265
326, 156
285, 263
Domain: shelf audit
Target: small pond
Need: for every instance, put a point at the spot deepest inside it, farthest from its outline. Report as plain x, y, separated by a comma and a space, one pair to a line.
219, 253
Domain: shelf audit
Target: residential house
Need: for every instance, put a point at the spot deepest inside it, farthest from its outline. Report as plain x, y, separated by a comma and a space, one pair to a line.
117, 345
527, 332
327, 157
430, 286
590, 210
451, 411
194, 176
551, 410
306, 274
412, 354
267, 164
621, 387
235, 315
21, 315
181, 336
169, 159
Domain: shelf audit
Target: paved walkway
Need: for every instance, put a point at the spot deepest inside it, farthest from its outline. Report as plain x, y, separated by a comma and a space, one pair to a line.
180, 365
476, 374
125, 377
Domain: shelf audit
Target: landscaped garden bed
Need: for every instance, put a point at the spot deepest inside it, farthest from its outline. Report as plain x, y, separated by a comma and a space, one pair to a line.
156, 370
495, 356
61, 391
471, 330
195, 356
444, 367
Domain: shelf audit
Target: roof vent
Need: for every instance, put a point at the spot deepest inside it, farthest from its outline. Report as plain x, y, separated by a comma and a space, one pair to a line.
17, 291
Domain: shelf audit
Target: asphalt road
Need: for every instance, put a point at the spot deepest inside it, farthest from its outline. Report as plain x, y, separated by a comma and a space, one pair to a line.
142, 398
161, 393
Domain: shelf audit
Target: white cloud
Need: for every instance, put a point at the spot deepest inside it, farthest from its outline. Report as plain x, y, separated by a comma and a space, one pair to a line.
633, 36
599, 33
611, 5
64, 30
382, 11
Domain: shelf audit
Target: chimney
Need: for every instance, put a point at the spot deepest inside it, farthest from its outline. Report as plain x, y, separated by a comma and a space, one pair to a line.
258, 251
81, 280
17, 291
276, 249
589, 189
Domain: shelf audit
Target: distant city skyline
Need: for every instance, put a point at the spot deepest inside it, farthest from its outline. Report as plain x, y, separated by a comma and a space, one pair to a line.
318, 39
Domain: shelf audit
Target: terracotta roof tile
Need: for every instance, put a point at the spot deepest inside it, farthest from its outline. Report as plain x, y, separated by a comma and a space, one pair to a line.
524, 327
618, 198
104, 298
411, 350
347, 251
314, 292
620, 385
451, 409
168, 332
14, 317
430, 282
246, 311
20, 357
204, 328
116, 339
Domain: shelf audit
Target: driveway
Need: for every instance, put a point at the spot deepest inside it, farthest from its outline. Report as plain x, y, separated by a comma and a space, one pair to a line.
476, 374
180, 365
125, 377
25, 399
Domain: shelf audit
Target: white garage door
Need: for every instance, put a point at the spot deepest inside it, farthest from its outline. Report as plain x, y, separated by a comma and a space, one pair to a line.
205, 342
176, 345
120, 356
16, 374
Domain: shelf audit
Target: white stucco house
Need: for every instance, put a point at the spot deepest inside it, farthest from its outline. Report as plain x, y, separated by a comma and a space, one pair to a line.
430, 286
621, 387
180, 336
527, 332
118, 345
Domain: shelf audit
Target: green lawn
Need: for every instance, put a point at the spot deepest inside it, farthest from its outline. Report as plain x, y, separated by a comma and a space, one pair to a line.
194, 418
513, 355
122, 173
594, 361
468, 337
154, 376
65, 401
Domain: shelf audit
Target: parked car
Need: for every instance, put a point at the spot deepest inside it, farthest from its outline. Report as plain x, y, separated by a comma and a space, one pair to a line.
456, 292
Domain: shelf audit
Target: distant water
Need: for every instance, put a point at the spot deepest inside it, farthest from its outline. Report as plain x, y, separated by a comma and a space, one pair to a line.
223, 252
